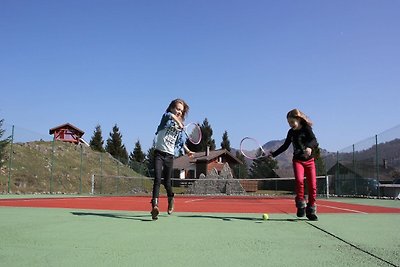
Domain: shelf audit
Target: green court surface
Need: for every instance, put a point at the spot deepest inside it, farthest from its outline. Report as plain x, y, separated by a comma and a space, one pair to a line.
73, 237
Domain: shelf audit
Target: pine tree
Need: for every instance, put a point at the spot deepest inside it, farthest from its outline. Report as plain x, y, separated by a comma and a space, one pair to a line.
97, 142
320, 166
225, 144
115, 147
263, 168
206, 140
150, 160
3, 143
240, 170
136, 159
137, 153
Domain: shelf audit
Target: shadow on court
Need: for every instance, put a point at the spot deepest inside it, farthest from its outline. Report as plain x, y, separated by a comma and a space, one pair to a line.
231, 218
147, 218
143, 218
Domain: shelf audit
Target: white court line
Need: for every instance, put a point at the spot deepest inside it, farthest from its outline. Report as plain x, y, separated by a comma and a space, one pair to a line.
195, 200
355, 211
230, 202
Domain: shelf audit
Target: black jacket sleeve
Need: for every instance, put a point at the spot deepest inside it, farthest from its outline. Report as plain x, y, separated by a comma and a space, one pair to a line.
284, 146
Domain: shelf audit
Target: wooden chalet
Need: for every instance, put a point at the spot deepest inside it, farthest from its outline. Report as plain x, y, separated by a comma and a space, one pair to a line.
362, 171
203, 162
67, 133
363, 180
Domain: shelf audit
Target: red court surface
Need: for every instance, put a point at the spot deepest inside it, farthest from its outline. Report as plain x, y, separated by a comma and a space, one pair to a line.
222, 204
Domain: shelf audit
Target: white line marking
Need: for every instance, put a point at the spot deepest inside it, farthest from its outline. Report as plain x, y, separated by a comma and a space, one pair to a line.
194, 200
336, 208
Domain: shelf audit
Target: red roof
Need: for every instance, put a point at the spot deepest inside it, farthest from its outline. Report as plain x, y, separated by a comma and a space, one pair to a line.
68, 126
185, 161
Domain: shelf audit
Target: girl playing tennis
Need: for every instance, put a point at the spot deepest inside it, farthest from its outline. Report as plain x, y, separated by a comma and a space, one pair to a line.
169, 137
305, 146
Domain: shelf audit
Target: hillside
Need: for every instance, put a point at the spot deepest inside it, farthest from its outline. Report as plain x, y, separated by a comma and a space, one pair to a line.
389, 158
34, 168
364, 161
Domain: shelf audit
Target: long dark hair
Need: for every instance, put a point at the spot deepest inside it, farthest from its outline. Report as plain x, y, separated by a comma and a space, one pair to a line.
297, 114
175, 102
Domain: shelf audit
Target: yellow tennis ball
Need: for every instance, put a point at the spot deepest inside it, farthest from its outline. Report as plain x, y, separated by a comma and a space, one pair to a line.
265, 216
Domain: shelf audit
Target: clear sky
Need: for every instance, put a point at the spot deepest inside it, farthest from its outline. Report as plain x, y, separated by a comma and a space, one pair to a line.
241, 64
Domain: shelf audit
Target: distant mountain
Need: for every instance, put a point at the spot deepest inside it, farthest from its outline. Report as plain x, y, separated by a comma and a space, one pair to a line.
284, 160
389, 157
364, 161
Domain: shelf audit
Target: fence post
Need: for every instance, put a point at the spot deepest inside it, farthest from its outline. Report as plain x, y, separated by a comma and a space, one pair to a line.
101, 172
337, 189
377, 165
101, 163
80, 174
354, 171
92, 191
52, 165
10, 161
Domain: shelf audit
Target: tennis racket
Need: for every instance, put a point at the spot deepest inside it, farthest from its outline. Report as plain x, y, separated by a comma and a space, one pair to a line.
251, 149
193, 132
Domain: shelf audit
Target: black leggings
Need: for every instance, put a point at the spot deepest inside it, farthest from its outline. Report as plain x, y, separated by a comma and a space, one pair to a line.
163, 167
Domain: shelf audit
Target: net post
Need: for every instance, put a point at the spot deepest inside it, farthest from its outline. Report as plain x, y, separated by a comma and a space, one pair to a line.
327, 185
10, 161
92, 191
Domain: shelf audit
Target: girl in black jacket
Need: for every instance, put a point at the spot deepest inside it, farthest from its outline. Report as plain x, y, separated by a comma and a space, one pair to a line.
305, 146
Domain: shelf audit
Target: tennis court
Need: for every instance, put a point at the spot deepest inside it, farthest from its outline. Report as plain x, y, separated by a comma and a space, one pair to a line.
204, 231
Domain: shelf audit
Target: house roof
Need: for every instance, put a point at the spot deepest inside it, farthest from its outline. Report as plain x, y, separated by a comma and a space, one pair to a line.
184, 162
66, 125
363, 170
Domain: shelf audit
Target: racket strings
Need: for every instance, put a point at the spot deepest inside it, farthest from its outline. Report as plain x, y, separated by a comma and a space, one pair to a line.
251, 149
194, 133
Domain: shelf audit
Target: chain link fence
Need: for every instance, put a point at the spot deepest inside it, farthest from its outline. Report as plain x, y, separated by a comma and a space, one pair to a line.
35, 163
368, 168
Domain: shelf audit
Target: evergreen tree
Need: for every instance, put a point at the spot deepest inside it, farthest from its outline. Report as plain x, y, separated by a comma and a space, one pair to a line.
320, 166
137, 153
206, 139
115, 147
263, 168
3, 143
207, 133
97, 142
136, 159
240, 170
225, 144
150, 160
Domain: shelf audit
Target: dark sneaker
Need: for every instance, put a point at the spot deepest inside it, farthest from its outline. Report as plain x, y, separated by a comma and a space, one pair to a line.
170, 205
311, 213
154, 209
312, 217
301, 212
154, 213
301, 208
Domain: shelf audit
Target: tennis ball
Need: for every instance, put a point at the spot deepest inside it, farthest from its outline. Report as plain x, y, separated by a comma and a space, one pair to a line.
265, 216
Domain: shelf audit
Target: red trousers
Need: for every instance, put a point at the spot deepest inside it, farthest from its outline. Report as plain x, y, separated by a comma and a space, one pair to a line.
307, 169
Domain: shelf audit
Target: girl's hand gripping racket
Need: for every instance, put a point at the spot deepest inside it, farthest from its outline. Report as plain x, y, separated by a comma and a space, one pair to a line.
193, 132
251, 149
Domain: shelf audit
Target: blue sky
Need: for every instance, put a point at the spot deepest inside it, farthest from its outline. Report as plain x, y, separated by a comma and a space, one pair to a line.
241, 64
